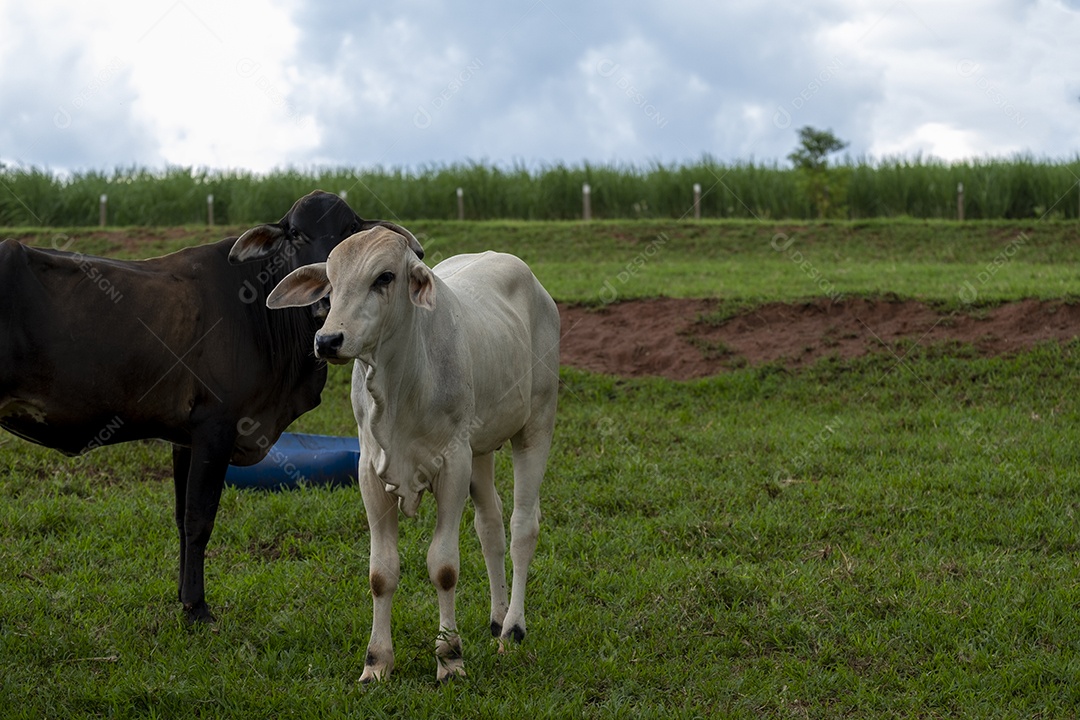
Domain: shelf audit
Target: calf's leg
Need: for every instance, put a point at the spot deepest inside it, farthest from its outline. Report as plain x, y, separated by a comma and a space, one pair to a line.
383, 571
488, 522
451, 489
530, 459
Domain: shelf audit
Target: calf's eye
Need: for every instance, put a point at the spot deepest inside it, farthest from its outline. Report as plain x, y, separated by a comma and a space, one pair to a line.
383, 280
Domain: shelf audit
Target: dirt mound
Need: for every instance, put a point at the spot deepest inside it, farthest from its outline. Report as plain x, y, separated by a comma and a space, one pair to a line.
678, 339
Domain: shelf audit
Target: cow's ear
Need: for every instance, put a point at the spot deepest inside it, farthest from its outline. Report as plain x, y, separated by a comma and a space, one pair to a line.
421, 286
258, 243
302, 287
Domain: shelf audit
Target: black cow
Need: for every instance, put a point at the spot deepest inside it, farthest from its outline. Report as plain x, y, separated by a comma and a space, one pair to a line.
181, 347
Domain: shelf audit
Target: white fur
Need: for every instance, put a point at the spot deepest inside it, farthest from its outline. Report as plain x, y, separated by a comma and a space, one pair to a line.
450, 364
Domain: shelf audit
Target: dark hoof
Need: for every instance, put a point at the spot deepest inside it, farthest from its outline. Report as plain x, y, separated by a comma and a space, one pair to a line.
496, 629
198, 613
517, 633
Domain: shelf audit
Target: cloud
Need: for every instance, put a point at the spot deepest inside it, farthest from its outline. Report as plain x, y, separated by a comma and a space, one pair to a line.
74, 103
261, 85
554, 80
954, 88
184, 83
216, 82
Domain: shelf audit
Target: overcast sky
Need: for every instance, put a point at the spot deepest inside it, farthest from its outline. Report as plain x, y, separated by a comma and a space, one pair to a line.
302, 83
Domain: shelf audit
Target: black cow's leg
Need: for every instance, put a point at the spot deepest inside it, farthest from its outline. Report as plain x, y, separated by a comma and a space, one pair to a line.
210, 452
181, 457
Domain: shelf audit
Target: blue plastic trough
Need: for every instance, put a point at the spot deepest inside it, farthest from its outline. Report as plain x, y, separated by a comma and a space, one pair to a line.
297, 459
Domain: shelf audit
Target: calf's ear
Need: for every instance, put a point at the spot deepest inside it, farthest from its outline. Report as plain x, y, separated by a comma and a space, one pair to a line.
421, 286
259, 242
302, 287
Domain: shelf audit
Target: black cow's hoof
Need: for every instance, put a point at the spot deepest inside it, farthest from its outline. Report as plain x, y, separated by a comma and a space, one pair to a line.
496, 629
198, 613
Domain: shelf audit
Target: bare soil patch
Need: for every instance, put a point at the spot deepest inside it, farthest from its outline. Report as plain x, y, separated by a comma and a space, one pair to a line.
668, 337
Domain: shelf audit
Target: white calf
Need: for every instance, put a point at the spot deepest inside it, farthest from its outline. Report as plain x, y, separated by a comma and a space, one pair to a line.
450, 364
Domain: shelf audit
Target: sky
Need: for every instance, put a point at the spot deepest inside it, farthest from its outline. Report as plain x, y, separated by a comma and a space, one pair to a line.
256, 86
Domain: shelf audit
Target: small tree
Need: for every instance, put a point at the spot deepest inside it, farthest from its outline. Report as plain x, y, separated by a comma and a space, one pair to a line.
826, 190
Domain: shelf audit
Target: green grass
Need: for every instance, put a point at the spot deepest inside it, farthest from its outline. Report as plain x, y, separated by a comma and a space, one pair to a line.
1020, 187
592, 263
871, 538
882, 537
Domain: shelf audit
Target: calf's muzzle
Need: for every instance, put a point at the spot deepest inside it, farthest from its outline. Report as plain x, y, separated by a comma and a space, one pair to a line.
327, 346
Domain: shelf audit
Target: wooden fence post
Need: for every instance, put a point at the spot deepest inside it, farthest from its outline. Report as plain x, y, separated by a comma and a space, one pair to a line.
460, 203
586, 202
960, 201
103, 209
697, 201
210, 209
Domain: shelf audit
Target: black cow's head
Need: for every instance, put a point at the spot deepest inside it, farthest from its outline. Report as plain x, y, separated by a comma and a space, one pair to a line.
313, 227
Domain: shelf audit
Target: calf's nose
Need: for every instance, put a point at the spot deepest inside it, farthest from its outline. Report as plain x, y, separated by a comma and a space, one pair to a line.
328, 344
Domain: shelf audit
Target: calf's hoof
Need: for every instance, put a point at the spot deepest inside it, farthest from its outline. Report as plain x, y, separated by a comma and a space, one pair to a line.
450, 658
515, 633
373, 674
450, 669
376, 670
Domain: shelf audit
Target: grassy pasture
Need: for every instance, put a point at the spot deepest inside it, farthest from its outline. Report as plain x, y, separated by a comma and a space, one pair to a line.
1016, 188
744, 261
888, 537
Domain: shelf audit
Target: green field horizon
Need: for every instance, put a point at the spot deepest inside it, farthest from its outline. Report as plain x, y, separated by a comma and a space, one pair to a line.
1013, 188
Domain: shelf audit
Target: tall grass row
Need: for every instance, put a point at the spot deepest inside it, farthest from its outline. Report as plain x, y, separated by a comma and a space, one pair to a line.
1017, 188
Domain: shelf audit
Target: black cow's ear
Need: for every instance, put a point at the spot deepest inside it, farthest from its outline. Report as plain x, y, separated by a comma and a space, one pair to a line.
258, 243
